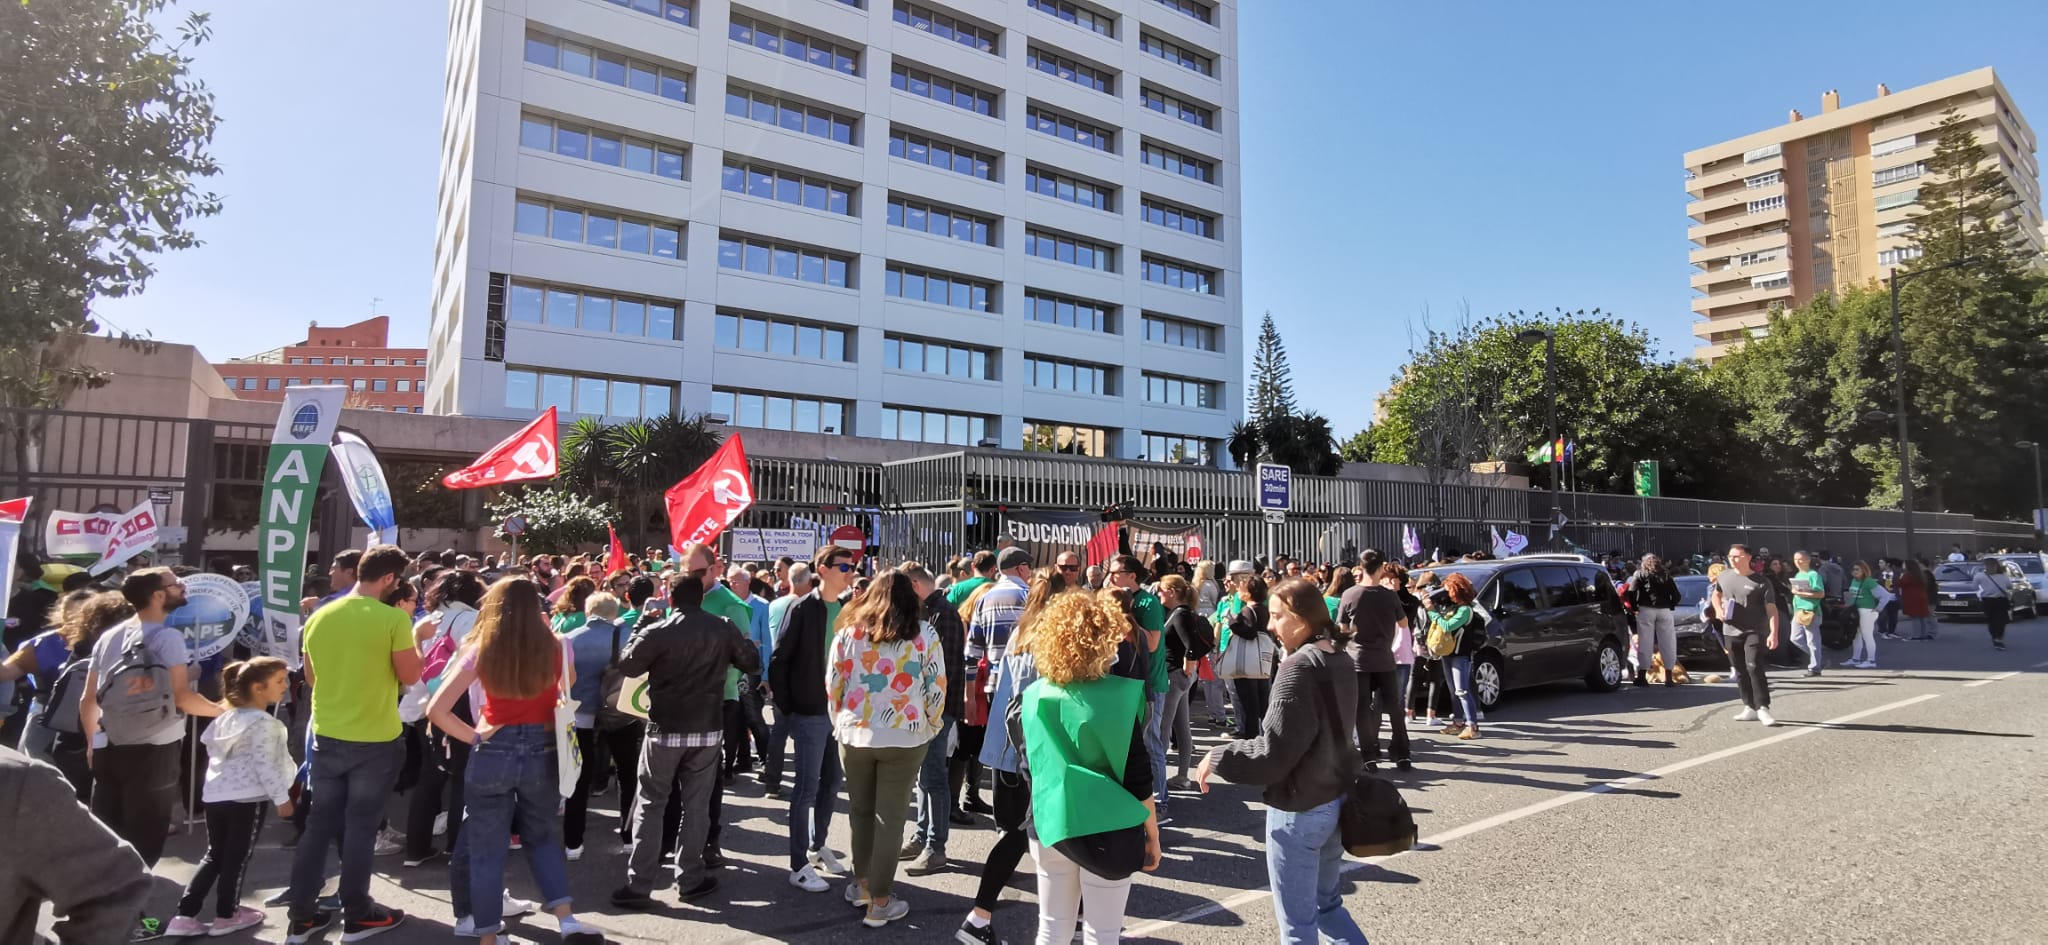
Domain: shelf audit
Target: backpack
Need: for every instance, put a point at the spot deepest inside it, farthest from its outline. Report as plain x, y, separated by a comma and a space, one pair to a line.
135, 691
609, 718
1373, 820
59, 712
434, 662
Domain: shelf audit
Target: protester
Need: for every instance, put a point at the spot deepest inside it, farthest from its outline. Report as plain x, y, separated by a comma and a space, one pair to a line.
927, 847
800, 583
750, 724
1748, 606
1394, 577
93, 881
796, 681
364, 652
1808, 592
1372, 619
55, 733
1127, 574
1863, 595
885, 687
1451, 613
1916, 592
984, 572
1654, 596
568, 605
249, 767
1187, 641
1997, 603
595, 646
1303, 758
451, 603
1094, 816
990, 624
1245, 626
1334, 588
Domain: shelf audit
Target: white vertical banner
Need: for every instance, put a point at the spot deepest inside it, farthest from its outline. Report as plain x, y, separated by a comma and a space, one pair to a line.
367, 489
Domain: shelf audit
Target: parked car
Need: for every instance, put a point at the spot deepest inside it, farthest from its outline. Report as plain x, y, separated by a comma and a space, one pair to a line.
1957, 588
2034, 567
1698, 648
1547, 620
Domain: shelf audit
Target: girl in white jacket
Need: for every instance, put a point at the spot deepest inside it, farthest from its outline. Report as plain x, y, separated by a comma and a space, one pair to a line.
249, 766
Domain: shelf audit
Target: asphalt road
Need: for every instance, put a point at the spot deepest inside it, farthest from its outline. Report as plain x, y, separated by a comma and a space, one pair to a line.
1898, 804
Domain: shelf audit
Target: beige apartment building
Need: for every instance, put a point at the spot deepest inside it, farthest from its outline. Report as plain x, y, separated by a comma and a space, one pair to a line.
1826, 202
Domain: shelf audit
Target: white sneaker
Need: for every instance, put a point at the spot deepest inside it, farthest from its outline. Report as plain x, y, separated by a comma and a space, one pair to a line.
515, 907
465, 927
828, 861
1765, 716
574, 854
441, 824
856, 896
808, 880
386, 846
1746, 715
573, 926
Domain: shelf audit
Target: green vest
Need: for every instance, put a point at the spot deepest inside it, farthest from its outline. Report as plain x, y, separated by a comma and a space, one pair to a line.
1226, 608
721, 601
1151, 617
1076, 740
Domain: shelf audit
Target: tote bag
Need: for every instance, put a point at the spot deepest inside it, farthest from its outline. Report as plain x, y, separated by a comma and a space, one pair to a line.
568, 751
1247, 658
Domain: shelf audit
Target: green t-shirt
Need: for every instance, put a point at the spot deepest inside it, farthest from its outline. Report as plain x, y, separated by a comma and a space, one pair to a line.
565, 624
349, 645
958, 593
721, 601
1863, 593
1813, 580
1152, 619
1077, 739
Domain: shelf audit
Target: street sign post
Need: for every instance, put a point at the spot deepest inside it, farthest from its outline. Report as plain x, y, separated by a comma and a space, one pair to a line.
1274, 490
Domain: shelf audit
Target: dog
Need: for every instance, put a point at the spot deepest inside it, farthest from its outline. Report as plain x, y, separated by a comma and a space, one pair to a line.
1657, 672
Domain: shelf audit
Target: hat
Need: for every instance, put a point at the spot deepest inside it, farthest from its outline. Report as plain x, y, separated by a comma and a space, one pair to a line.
1012, 557
1240, 566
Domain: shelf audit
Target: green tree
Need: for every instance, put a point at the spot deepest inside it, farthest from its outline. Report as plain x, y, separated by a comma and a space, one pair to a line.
629, 464
1272, 379
1359, 448
558, 520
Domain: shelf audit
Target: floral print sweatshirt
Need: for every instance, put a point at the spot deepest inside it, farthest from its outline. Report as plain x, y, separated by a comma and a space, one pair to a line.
886, 695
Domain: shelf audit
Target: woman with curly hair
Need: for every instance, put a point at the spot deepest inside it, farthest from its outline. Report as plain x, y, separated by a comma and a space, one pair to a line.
1091, 776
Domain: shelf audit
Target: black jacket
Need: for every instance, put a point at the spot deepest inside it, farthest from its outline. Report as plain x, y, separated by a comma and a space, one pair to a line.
685, 657
1187, 638
1653, 589
952, 633
1303, 754
796, 669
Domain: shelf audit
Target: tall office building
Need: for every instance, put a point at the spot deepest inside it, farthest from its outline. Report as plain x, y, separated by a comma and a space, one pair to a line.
1824, 203
945, 221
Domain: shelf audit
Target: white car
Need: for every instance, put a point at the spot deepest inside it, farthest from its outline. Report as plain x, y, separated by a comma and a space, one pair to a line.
2034, 566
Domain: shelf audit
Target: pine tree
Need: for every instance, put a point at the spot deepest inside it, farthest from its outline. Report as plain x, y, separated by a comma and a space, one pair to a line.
1272, 379
1966, 202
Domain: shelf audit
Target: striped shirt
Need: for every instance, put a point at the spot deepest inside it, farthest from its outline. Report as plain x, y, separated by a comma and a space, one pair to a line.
995, 615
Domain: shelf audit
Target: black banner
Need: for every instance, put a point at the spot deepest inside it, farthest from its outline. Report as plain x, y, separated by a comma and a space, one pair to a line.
1151, 540
1047, 534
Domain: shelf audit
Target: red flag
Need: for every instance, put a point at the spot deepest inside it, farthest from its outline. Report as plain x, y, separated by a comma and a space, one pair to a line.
14, 510
706, 501
615, 559
1103, 545
528, 454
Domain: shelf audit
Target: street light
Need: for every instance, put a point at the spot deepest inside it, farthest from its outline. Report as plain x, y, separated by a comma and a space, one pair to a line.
1896, 279
2040, 500
1530, 336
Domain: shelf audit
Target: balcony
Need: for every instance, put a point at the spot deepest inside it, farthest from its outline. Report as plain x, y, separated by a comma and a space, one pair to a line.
1707, 327
1705, 232
1733, 248
1705, 281
1744, 296
1699, 209
1705, 182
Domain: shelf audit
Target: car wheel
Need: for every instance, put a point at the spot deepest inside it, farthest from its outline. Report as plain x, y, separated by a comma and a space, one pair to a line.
1608, 668
1487, 682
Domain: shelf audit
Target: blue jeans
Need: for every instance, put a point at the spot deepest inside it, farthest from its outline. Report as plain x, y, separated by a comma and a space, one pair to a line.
935, 795
351, 781
1155, 745
814, 785
1460, 670
511, 777
1808, 638
1304, 860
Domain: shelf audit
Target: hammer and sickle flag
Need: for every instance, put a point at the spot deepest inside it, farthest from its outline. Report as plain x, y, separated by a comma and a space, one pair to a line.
527, 455
706, 501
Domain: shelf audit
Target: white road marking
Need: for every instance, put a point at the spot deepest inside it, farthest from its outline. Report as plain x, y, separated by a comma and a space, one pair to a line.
1479, 826
2038, 665
1993, 679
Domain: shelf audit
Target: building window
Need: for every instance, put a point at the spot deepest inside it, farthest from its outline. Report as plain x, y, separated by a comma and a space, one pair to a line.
585, 143
293, 382
939, 288
1894, 145
1081, 74
273, 383
1901, 228
789, 115
1043, 436
600, 228
946, 26
773, 183
1072, 250
405, 387
1076, 377
359, 384
1765, 179
1180, 275
1174, 217
1180, 391
784, 261
1892, 175
295, 360
356, 362
1201, 116
608, 67
1893, 257
945, 155
1047, 121
1174, 448
1767, 204
1771, 280
941, 221
1087, 193
1049, 309
776, 411
1174, 332
1764, 153
586, 394
1177, 54
794, 44
932, 426
745, 331
336, 381
674, 11
1178, 162
380, 385
1903, 198
377, 362
958, 93
1200, 11
1760, 256
907, 353
419, 362
1078, 15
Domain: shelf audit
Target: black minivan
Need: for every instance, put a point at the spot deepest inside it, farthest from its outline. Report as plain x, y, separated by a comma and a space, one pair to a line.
1549, 619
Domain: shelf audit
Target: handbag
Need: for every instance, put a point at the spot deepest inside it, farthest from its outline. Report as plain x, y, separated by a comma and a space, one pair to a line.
1241, 660
975, 708
1803, 618
1373, 820
568, 751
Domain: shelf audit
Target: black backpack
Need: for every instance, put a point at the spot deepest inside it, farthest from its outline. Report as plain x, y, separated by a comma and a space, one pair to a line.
59, 711
1373, 820
609, 718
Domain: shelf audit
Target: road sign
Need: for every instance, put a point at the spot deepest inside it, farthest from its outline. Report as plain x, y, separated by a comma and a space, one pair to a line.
515, 525
852, 539
1275, 487
160, 497
1276, 516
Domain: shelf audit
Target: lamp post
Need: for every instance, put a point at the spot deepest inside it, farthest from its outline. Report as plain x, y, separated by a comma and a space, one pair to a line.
1896, 278
2040, 495
1549, 339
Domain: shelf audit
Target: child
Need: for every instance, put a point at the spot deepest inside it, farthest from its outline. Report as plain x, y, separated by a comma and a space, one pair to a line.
249, 765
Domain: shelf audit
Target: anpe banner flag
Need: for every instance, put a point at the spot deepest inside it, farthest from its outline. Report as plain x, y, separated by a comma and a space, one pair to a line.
526, 455
706, 501
291, 479
367, 489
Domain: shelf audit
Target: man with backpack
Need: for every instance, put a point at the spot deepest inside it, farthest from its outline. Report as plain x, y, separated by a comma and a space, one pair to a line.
138, 691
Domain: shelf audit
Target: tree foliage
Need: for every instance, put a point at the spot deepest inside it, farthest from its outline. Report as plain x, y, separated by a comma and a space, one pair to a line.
1272, 379
1277, 431
558, 520
630, 464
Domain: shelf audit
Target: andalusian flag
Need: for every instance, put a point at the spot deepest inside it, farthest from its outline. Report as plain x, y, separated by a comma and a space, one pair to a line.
1551, 452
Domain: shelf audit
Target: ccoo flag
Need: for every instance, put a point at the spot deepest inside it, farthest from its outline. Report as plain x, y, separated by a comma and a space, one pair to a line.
706, 501
526, 455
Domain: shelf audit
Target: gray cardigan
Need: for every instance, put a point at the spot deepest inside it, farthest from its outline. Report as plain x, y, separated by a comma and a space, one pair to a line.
59, 854
1303, 753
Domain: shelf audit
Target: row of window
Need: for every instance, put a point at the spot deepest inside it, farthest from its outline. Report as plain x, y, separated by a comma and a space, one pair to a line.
769, 109
1762, 255
933, 426
1767, 204
774, 183
1194, 8
1079, 16
1076, 376
1177, 162
945, 155
1047, 308
379, 385
1893, 257
608, 67
1765, 179
779, 336
1060, 186
1046, 121
1177, 54
784, 261
1167, 215
1069, 249
939, 288
675, 11
585, 143
563, 307
1180, 334
1042, 436
946, 26
371, 362
1081, 74
941, 221
587, 394
1174, 448
904, 353
1892, 175
1201, 116
946, 91
779, 412
1180, 391
1180, 275
1903, 198
795, 44
600, 228
1771, 280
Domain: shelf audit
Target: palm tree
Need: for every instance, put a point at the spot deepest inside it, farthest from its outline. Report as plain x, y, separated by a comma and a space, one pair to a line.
648, 456
1244, 443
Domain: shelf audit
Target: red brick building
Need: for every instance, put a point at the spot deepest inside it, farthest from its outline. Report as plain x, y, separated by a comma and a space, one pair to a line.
378, 377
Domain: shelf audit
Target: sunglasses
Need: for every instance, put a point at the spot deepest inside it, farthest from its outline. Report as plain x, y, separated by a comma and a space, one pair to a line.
841, 567
1070, 568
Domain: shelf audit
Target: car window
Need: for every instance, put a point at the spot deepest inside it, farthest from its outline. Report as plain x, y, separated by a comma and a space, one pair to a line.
1562, 587
2030, 565
1963, 573
1519, 593
1692, 588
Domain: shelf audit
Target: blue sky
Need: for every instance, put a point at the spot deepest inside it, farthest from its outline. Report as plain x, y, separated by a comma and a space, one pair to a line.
1399, 159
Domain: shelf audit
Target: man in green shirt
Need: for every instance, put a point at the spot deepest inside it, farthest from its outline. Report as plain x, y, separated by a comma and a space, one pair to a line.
984, 572
1125, 573
1808, 590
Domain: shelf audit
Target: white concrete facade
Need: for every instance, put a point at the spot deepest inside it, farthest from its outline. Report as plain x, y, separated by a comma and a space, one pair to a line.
494, 161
